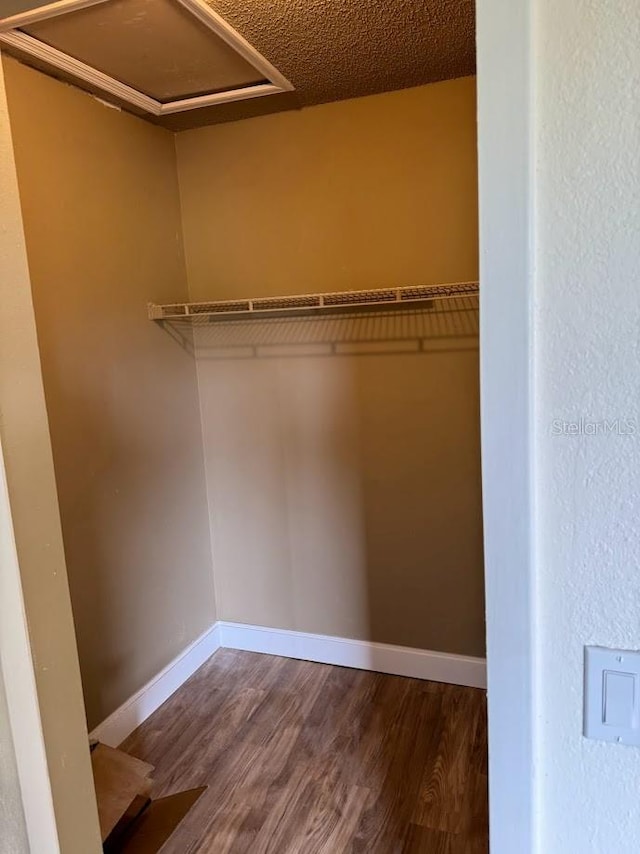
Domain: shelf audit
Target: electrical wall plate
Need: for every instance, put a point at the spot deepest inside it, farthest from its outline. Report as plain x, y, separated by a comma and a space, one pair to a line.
612, 695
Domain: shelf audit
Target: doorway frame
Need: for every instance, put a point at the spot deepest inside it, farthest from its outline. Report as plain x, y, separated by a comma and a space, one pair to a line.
507, 393
17, 674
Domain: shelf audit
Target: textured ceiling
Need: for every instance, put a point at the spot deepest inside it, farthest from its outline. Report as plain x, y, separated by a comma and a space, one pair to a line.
335, 49
332, 49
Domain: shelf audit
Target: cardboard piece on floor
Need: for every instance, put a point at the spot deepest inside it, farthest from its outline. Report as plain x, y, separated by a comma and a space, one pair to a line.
135, 809
153, 827
119, 779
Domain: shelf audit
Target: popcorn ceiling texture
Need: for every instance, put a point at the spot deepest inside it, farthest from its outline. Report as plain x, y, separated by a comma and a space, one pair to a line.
335, 49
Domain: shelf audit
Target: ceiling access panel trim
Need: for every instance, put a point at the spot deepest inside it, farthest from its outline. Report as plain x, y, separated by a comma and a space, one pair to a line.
232, 37
56, 58
256, 91
10, 36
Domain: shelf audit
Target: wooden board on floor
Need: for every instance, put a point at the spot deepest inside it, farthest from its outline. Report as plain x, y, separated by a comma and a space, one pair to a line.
119, 779
157, 822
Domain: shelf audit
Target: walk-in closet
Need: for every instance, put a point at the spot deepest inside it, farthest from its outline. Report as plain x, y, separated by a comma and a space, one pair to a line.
252, 243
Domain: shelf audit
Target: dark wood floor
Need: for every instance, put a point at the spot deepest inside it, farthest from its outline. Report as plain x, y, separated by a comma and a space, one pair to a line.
305, 758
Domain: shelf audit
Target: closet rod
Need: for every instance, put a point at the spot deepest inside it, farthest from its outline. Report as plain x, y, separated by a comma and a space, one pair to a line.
313, 304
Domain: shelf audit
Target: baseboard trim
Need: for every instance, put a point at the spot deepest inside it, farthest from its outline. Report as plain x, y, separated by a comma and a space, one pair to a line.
363, 655
325, 649
114, 729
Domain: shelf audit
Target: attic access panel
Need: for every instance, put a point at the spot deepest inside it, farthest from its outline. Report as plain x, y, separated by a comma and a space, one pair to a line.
163, 56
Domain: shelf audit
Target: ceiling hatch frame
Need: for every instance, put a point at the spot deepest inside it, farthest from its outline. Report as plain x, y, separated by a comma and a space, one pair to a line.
12, 37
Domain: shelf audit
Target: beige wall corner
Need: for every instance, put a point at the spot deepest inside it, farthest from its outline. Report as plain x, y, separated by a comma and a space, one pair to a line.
344, 488
24, 433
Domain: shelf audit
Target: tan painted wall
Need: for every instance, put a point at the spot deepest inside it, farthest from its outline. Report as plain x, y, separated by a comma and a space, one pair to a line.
344, 490
102, 220
42, 675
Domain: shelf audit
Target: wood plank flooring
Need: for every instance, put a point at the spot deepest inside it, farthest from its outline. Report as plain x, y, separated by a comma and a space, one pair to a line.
304, 758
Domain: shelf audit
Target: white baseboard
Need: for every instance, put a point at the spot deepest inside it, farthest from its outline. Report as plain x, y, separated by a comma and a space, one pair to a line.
363, 655
151, 696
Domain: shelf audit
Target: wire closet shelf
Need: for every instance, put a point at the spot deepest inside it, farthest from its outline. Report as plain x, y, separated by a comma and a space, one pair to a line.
414, 296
